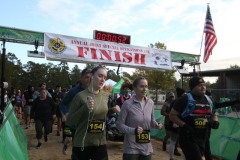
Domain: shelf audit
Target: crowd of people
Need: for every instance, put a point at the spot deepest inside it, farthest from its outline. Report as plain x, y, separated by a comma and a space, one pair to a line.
82, 116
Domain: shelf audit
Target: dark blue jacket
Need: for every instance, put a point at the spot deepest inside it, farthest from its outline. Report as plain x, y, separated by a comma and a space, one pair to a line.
64, 105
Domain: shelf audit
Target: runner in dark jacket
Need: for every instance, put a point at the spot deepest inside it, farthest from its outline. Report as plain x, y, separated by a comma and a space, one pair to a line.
43, 112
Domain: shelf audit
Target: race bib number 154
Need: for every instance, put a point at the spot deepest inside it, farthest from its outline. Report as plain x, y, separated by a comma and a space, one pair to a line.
96, 126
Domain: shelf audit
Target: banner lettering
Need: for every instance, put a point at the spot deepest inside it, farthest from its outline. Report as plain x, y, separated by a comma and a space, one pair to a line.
73, 49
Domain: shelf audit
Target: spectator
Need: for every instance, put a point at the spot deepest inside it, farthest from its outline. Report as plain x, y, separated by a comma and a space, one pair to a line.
29, 102
37, 92
174, 129
170, 97
57, 97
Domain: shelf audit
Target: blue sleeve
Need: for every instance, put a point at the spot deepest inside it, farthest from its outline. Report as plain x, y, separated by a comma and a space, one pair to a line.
64, 105
35, 95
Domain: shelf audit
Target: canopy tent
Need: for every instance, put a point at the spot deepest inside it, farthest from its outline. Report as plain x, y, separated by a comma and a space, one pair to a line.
110, 82
117, 86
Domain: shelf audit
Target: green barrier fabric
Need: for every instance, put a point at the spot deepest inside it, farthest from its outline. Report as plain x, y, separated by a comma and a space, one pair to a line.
159, 134
224, 141
224, 110
13, 141
117, 86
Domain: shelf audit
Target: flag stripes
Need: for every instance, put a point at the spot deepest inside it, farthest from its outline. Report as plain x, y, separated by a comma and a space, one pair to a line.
210, 36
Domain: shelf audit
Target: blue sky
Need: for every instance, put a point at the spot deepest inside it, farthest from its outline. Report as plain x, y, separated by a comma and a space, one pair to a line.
177, 23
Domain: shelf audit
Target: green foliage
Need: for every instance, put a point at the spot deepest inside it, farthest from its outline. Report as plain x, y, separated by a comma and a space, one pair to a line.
75, 74
234, 66
20, 75
111, 74
158, 45
185, 83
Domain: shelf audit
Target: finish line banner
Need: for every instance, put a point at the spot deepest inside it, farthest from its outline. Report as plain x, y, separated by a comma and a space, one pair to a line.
81, 50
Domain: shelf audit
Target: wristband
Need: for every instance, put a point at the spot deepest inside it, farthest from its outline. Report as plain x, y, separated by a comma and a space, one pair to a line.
215, 125
136, 132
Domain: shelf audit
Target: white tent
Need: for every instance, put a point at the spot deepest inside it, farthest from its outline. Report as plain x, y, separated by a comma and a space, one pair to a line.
110, 82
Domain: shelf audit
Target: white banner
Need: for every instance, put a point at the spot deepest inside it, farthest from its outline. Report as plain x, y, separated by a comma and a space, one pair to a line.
82, 50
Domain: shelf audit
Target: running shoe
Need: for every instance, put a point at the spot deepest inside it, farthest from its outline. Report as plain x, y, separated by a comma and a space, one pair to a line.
65, 149
38, 145
45, 138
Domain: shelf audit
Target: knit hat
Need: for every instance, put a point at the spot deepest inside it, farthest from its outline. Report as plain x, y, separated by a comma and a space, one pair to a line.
194, 81
180, 91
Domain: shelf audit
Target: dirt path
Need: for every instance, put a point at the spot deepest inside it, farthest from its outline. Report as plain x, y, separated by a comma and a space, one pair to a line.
52, 150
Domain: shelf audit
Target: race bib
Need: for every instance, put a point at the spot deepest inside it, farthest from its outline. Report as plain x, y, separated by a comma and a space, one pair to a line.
96, 126
200, 122
144, 137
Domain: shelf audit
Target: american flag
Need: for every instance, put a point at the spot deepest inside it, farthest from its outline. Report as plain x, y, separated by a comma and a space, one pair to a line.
210, 36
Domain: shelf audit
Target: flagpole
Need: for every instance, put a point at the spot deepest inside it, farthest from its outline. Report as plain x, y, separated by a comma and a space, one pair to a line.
202, 35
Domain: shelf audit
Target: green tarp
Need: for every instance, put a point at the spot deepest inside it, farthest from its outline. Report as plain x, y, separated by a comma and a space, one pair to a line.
13, 141
224, 142
224, 110
117, 86
160, 134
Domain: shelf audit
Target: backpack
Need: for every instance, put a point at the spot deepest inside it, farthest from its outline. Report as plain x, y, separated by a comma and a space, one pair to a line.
191, 105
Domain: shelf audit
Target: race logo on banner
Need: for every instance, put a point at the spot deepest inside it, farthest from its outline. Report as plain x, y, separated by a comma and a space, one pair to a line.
81, 50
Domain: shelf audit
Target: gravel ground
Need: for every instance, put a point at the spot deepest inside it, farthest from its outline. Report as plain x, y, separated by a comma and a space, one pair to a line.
52, 150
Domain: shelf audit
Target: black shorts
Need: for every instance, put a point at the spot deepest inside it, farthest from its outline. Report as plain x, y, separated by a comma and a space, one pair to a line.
167, 127
58, 112
91, 152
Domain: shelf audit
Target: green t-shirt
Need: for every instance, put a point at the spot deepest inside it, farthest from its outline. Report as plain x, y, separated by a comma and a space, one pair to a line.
80, 117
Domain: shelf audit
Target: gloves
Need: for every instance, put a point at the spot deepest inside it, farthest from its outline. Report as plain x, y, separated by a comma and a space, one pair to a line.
188, 129
214, 124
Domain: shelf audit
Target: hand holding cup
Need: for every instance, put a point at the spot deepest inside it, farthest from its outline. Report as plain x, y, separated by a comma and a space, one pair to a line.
90, 102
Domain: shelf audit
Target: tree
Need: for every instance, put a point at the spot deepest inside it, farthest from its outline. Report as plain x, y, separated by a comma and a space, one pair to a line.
126, 74
158, 45
65, 73
75, 74
234, 66
111, 74
13, 70
35, 73
185, 83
